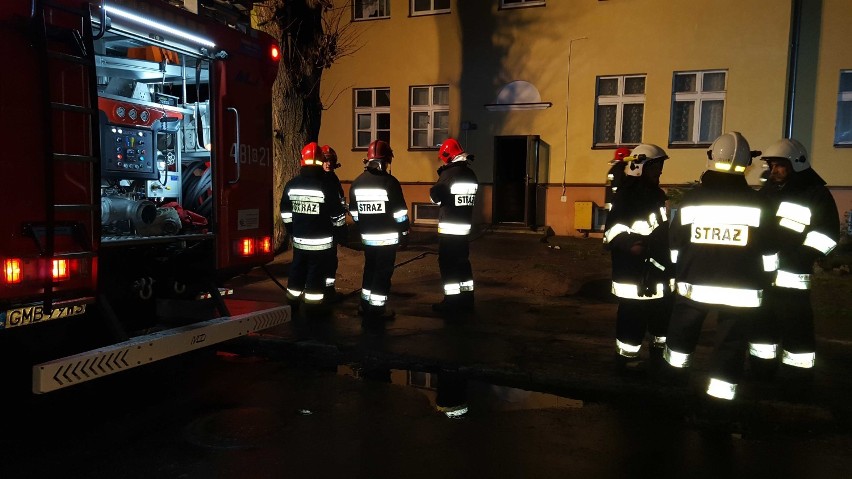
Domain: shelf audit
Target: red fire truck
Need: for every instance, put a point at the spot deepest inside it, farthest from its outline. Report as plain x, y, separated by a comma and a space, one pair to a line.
137, 155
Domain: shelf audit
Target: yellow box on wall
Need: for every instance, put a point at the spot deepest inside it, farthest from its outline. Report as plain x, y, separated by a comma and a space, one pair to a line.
583, 215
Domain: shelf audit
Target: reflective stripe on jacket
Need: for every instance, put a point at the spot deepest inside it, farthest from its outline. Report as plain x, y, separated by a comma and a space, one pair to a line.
455, 193
377, 204
722, 237
311, 210
809, 226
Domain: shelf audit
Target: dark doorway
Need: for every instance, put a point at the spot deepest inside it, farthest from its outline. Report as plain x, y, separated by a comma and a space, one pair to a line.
520, 178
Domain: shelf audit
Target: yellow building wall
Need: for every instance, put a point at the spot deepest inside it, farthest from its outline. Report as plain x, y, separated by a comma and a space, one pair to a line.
478, 48
835, 54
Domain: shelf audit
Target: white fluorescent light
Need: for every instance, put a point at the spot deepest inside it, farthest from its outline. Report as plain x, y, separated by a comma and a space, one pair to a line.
158, 26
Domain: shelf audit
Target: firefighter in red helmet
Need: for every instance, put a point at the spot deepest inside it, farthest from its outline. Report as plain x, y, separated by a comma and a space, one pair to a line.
378, 207
329, 164
312, 214
615, 175
455, 193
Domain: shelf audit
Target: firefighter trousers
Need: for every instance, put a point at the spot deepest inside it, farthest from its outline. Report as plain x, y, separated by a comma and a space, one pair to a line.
331, 275
636, 317
378, 269
786, 318
454, 264
732, 327
306, 279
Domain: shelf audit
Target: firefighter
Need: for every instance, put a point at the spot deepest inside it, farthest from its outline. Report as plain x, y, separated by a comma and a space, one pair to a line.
329, 164
720, 244
313, 215
455, 193
636, 234
809, 225
378, 207
614, 176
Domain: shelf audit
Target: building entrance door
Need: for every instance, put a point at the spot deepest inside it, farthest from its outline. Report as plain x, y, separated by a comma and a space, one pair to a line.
520, 180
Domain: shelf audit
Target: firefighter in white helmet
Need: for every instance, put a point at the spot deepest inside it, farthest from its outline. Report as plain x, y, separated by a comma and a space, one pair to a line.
809, 226
721, 246
636, 234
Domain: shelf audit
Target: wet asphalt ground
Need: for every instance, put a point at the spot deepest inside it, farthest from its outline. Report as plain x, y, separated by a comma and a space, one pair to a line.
533, 369
545, 321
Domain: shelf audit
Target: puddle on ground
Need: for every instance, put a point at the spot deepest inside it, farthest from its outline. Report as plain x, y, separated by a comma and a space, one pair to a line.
455, 395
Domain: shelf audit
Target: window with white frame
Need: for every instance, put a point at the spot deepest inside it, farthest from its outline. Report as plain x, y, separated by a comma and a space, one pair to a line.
370, 9
843, 126
429, 7
520, 3
698, 107
372, 116
620, 110
430, 116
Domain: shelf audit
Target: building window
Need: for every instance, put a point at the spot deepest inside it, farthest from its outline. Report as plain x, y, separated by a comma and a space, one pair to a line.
372, 116
698, 107
370, 9
843, 127
620, 110
429, 7
520, 3
430, 116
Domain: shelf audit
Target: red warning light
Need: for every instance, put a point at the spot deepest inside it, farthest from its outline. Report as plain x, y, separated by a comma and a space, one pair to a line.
274, 52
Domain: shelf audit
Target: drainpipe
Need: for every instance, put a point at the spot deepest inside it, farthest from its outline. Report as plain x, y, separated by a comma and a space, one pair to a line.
792, 67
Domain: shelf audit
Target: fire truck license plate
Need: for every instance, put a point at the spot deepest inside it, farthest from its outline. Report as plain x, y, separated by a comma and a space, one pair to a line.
35, 314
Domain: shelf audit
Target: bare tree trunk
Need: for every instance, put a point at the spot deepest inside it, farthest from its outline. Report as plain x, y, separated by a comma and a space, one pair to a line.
311, 38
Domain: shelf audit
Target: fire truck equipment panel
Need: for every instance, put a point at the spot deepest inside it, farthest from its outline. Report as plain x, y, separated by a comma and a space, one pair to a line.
128, 153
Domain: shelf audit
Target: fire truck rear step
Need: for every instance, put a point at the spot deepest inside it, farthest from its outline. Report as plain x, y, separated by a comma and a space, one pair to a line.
61, 373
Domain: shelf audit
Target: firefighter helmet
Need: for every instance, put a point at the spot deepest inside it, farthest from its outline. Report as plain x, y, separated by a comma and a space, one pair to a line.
620, 154
789, 149
449, 150
379, 150
641, 155
330, 156
309, 155
730, 153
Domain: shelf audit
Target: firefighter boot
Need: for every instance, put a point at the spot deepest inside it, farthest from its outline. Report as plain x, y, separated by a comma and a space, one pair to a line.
294, 306
625, 366
317, 310
454, 307
447, 306
796, 384
363, 307
466, 303
672, 376
379, 313
718, 416
762, 369
331, 295
656, 363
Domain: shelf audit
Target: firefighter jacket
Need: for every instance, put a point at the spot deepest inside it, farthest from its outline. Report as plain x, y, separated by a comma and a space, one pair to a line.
455, 193
311, 210
332, 178
808, 226
638, 215
722, 242
378, 207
